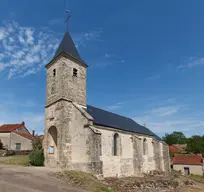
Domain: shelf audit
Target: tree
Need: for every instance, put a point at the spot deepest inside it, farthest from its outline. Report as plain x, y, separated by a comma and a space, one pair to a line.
195, 144
37, 156
175, 138
37, 143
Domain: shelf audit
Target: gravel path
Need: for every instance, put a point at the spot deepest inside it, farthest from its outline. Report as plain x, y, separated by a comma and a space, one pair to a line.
31, 179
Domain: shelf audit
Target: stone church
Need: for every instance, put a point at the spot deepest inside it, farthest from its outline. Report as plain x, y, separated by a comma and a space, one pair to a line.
81, 137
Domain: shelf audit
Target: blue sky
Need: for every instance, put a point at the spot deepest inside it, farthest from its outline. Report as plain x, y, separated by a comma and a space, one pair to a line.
146, 59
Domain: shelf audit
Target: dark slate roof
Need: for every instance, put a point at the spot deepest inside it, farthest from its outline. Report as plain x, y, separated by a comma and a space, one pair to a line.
106, 118
67, 46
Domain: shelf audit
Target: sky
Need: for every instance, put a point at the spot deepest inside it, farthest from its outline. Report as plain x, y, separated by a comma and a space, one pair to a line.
146, 59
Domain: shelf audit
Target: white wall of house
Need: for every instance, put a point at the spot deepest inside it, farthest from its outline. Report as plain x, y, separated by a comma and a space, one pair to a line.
5, 139
26, 144
9, 141
194, 169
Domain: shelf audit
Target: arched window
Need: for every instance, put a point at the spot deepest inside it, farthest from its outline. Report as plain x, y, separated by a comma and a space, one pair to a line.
116, 144
145, 146
52, 139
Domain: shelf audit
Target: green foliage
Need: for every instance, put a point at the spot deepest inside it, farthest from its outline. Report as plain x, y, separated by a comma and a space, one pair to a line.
1, 145
37, 144
195, 144
175, 138
37, 157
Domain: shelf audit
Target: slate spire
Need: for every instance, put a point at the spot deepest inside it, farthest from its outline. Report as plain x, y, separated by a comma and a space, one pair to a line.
67, 46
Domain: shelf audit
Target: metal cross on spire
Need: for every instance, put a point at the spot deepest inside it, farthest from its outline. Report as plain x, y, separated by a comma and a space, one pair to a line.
68, 17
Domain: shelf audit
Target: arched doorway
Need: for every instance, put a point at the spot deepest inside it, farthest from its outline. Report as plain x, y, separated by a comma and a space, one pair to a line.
52, 140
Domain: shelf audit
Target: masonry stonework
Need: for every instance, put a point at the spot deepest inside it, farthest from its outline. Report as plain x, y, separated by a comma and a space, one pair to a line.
73, 141
166, 159
64, 84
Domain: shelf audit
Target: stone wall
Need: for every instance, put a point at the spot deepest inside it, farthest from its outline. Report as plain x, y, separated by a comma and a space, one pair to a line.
53, 118
157, 154
121, 165
131, 161
64, 84
137, 155
166, 158
78, 146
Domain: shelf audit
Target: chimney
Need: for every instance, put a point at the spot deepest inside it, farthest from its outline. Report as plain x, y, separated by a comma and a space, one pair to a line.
33, 133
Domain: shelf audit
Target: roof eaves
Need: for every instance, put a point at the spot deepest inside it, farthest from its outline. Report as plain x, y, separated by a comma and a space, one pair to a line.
66, 54
115, 127
188, 164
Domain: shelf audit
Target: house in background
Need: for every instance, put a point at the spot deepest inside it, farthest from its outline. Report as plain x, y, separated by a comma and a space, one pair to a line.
177, 148
16, 137
188, 164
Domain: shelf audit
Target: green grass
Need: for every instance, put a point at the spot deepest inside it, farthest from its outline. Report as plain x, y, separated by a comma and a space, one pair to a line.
85, 181
15, 160
198, 178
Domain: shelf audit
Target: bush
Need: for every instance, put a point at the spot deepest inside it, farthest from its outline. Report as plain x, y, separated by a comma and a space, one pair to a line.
1, 145
37, 143
37, 157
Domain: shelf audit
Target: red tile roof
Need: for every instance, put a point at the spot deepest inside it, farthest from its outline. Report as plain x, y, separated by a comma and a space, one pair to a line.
26, 135
173, 149
7, 128
188, 159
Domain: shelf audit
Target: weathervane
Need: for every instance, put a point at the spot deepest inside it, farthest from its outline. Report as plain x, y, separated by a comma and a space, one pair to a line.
68, 17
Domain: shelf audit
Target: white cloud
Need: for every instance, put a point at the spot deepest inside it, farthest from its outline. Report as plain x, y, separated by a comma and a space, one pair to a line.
24, 49
192, 63
1, 66
55, 21
107, 55
166, 111
2, 33
82, 38
154, 77
115, 106
166, 119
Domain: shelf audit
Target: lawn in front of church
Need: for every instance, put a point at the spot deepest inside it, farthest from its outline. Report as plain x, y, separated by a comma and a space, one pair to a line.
15, 160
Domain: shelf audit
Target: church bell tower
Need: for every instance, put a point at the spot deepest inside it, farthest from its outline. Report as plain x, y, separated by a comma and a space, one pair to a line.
66, 74
65, 85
